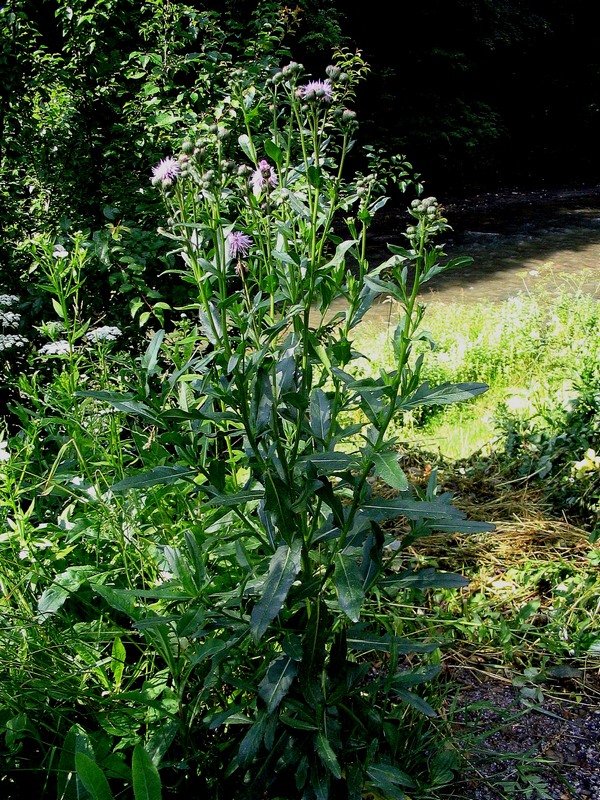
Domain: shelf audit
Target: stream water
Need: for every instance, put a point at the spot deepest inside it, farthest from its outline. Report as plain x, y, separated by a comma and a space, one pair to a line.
539, 241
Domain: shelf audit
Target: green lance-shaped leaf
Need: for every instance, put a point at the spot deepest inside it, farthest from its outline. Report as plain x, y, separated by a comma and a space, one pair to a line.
386, 467
326, 462
314, 646
327, 756
150, 358
320, 415
251, 742
417, 676
387, 774
416, 702
92, 778
69, 783
157, 476
277, 681
349, 585
441, 395
428, 578
284, 567
125, 404
361, 639
146, 780
117, 660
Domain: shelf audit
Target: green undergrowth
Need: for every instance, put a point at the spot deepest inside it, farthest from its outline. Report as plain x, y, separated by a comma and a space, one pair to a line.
529, 349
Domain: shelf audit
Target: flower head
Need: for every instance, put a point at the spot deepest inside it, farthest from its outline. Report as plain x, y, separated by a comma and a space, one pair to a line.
8, 300
321, 91
9, 319
264, 176
8, 341
58, 348
107, 333
165, 171
239, 244
4, 452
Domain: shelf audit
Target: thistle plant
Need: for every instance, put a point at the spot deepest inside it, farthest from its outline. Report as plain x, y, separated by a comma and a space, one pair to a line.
266, 615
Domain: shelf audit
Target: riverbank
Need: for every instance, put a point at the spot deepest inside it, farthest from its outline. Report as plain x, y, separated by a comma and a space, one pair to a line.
519, 241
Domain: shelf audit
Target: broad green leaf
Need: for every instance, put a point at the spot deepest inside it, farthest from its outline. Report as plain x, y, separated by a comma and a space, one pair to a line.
119, 599
58, 308
439, 513
64, 585
238, 499
160, 740
320, 780
69, 785
274, 152
340, 253
211, 324
284, 567
248, 147
277, 681
314, 176
92, 777
327, 756
349, 585
145, 777
386, 467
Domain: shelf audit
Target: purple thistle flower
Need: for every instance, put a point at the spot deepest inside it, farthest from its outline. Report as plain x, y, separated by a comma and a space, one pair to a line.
316, 90
165, 171
263, 176
239, 244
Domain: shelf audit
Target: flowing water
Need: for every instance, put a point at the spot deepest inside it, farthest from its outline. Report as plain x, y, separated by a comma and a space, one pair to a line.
540, 241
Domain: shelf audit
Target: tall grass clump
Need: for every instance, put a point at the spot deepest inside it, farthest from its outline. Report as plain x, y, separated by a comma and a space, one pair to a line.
196, 564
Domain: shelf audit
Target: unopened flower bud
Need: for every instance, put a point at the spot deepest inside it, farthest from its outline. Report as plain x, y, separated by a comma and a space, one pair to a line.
293, 68
333, 72
187, 148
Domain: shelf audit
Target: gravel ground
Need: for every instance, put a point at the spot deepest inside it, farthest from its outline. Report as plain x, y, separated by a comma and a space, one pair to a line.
546, 747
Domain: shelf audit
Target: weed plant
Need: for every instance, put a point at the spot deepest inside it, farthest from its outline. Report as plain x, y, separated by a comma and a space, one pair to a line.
195, 565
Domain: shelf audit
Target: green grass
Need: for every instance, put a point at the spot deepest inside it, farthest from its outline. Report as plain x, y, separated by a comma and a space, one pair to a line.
527, 349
